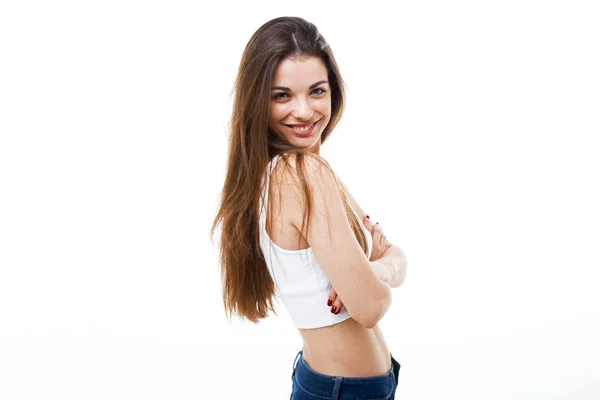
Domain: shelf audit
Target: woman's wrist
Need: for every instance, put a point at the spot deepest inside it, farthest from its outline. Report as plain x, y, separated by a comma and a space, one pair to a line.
383, 270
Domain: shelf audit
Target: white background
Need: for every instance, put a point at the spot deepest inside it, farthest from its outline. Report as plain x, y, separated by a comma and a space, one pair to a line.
470, 134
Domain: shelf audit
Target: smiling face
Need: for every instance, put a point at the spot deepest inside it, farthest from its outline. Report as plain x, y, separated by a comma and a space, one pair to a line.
300, 105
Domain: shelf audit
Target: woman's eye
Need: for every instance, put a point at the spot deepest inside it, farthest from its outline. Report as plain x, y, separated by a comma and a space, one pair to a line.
282, 95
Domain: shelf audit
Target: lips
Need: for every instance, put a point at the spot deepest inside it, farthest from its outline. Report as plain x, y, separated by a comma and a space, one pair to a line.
301, 125
303, 131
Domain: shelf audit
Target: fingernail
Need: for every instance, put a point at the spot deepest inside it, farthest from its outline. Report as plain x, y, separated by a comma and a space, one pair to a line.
337, 312
329, 302
333, 309
368, 217
376, 223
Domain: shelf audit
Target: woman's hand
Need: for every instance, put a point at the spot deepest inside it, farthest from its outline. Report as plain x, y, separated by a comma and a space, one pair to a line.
335, 302
380, 245
380, 242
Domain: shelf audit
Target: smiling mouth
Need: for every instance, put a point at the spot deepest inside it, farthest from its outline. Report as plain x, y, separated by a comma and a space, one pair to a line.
303, 129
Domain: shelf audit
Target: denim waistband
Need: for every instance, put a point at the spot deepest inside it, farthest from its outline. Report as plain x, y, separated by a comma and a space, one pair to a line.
328, 386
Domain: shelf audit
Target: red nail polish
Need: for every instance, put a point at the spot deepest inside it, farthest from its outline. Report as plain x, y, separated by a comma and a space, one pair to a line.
368, 217
333, 309
337, 312
329, 302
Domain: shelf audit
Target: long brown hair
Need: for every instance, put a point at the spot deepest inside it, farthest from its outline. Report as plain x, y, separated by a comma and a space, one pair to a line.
248, 288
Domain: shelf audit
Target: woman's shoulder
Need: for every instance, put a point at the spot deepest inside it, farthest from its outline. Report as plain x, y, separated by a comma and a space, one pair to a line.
289, 166
296, 181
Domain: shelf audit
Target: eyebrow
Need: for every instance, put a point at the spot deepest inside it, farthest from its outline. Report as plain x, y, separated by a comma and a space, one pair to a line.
286, 89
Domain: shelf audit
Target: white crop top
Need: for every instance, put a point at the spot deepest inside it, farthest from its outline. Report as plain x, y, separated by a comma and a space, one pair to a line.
299, 279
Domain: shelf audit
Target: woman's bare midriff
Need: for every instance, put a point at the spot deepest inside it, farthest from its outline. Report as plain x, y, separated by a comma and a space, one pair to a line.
346, 349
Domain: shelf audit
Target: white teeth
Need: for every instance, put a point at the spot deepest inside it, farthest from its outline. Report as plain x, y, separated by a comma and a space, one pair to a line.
302, 129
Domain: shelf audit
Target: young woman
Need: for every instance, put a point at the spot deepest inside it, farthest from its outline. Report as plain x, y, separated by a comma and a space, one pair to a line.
291, 229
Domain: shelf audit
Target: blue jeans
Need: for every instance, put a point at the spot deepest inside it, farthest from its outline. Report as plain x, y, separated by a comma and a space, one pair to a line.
308, 384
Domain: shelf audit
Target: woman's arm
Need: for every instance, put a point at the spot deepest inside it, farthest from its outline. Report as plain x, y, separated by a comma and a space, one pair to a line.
334, 244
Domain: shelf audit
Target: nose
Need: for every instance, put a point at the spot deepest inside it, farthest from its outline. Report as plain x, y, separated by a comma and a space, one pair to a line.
302, 109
